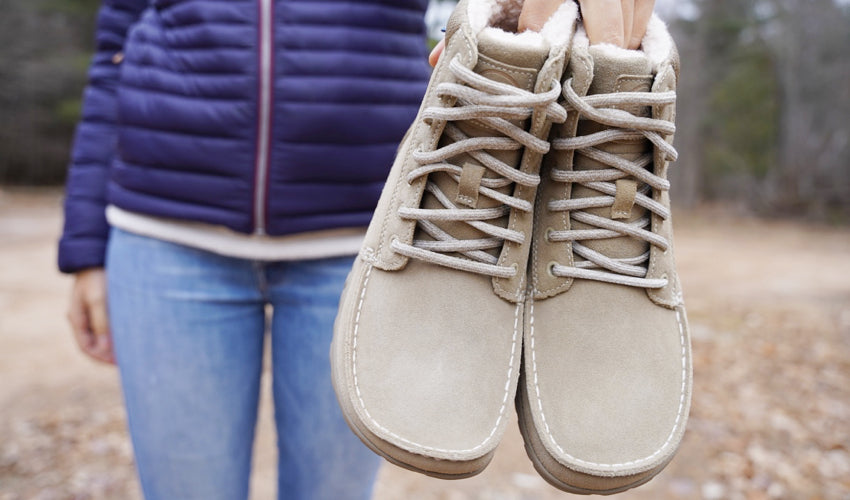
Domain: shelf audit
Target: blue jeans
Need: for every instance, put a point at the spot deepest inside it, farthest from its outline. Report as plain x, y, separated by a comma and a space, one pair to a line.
188, 329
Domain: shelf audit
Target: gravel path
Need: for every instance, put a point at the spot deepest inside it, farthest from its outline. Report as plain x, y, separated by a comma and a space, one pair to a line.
769, 306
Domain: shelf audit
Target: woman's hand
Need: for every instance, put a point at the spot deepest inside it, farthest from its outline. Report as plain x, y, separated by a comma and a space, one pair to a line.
88, 316
618, 22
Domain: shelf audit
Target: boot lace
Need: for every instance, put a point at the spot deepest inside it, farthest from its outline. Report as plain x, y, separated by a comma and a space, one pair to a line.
622, 126
491, 104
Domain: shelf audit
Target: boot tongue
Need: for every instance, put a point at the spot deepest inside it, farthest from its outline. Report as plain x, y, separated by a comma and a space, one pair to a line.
513, 60
510, 58
505, 58
620, 70
617, 70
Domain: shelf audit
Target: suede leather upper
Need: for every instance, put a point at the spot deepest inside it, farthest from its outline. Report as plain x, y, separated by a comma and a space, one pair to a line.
606, 384
426, 357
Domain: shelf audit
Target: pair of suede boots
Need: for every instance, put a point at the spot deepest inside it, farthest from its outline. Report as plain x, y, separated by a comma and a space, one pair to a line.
522, 252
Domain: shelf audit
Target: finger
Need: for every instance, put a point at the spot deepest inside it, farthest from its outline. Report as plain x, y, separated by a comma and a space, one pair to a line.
643, 12
603, 21
535, 13
79, 323
437, 52
98, 316
628, 9
101, 350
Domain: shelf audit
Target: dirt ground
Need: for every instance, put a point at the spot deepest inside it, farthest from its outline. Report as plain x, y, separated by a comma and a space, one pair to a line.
769, 306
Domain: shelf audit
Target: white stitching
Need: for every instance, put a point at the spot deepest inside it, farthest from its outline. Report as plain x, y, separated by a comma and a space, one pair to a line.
678, 413
383, 429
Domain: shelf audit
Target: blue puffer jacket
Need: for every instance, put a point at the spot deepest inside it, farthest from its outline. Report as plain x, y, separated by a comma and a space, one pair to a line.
266, 116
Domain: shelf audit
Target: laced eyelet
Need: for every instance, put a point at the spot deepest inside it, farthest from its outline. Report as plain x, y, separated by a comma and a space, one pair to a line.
548, 236
550, 268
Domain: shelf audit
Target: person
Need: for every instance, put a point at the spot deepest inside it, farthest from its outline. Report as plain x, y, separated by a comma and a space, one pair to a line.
228, 160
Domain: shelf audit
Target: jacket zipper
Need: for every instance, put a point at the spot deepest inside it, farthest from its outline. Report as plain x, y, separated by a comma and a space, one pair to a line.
264, 105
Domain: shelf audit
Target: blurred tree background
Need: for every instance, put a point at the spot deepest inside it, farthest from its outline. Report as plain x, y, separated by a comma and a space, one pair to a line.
764, 98
45, 46
764, 105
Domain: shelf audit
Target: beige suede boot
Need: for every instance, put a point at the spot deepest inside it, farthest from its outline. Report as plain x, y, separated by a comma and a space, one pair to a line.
606, 377
427, 343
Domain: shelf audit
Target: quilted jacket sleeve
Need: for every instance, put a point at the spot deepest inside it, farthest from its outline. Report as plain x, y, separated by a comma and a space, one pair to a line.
83, 242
